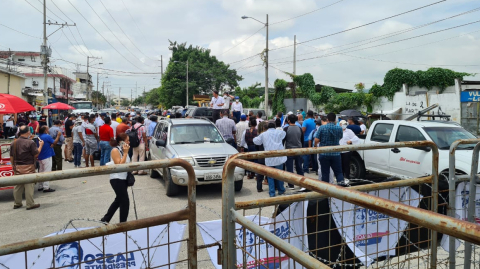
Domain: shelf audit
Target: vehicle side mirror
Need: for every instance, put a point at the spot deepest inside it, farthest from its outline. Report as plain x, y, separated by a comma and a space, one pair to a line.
160, 143
229, 140
426, 149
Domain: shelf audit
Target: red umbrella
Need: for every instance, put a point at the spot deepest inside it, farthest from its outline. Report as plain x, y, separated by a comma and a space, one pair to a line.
13, 104
59, 106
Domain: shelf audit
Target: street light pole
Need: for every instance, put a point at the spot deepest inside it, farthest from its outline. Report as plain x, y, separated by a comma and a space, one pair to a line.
266, 62
187, 85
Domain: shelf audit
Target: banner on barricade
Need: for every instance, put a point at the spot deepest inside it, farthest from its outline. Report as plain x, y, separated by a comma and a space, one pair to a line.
120, 251
461, 209
370, 234
289, 225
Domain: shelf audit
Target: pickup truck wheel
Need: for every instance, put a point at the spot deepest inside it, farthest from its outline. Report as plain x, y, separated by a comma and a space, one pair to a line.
357, 167
238, 185
171, 188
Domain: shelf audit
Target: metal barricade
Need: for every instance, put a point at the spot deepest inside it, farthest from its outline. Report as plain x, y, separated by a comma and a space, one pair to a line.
424, 223
455, 178
188, 214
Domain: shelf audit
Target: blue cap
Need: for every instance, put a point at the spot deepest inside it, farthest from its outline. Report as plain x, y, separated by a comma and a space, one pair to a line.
243, 117
236, 97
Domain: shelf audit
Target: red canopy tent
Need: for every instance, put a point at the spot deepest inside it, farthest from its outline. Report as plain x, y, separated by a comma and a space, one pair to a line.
12, 104
59, 106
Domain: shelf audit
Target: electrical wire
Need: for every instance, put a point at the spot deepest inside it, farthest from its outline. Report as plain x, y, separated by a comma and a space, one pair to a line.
134, 22
241, 41
124, 32
385, 36
384, 44
19, 31
306, 13
245, 58
113, 70
123, 56
61, 19
69, 41
41, 12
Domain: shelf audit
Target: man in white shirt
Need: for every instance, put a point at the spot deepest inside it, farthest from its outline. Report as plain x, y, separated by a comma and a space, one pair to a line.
349, 138
114, 124
226, 100
217, 105
237, 109
9, 123
241, 127
363, 128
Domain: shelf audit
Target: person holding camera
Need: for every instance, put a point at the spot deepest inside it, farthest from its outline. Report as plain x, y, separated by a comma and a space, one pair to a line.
24, 153
118, 181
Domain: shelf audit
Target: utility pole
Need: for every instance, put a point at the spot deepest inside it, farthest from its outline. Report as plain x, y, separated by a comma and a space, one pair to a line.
44, 51
88, 76
103, 91
119, 99
161, 66
98, 91
266, 72
144, 98
187, 85
295, 54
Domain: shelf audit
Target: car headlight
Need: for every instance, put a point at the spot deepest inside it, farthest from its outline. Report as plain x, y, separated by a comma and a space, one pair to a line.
189, 160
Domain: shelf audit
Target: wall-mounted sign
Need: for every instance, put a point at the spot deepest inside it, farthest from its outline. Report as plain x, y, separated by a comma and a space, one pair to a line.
470, 96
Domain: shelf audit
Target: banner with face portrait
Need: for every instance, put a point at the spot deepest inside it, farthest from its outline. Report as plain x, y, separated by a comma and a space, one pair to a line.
121, 251
370, 234
289, 225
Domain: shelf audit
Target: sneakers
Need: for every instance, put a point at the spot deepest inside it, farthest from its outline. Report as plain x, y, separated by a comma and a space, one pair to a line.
49, 190
291, 188
40, 189
17, 206
261, 190
33, 206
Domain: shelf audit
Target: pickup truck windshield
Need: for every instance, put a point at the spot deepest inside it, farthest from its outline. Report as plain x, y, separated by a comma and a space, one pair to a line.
445, 136
194, 133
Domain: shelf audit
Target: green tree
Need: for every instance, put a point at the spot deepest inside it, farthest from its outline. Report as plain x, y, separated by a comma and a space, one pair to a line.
98, 99
125, 102
205, 74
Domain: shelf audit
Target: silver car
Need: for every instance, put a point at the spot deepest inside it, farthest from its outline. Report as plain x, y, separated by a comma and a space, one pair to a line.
197, 141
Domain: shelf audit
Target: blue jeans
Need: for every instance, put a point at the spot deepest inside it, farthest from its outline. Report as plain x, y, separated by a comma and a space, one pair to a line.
237, 115
306, 158
298, 165
335, 162
105, 152
77, 154
272, 183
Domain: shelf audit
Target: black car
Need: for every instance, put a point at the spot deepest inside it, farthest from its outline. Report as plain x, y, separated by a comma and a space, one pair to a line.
205, 112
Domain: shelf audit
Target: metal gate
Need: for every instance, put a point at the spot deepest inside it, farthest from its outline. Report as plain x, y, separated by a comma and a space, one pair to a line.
420, 250
188, 214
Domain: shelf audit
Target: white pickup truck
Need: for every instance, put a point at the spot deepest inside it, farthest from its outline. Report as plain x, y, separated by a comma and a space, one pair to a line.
412, 162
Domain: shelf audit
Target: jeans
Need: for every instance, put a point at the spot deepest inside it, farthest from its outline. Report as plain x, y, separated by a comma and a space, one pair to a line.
335, 162
121, 201
307, 159
237, 115
346, 163
272, 183
77, 156
251, 148
298, 165
105, 152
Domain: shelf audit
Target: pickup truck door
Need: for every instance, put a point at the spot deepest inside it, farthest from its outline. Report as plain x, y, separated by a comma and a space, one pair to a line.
377, 160
410, 162
157, 152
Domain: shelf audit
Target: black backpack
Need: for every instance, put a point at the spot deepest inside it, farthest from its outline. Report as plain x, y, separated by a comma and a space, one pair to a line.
133, 135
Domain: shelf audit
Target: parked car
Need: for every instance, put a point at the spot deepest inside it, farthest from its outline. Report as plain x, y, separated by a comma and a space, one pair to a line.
255, 111
412, 162
109, 110
205, 112
196, 141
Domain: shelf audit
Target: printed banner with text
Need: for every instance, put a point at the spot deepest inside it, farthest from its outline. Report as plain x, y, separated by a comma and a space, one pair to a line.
259, 253
370, 234
90, 251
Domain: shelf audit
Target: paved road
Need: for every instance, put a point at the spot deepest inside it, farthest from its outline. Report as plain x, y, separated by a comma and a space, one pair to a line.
89, 198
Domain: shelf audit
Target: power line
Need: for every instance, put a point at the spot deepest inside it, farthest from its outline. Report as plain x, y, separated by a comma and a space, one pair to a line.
113, 33
113, 70
307, 13
385, 36
103, 36
51, 11
124, 32
69, 41
363, 25
388, 43
241, 41
131, 17
385, 61
41, 12
19, 31
246, 58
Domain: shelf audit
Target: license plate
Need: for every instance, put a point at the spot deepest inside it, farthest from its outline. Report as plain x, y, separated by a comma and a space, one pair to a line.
213, 176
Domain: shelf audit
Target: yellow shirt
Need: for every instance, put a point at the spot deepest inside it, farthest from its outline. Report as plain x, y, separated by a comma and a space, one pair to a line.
119, 120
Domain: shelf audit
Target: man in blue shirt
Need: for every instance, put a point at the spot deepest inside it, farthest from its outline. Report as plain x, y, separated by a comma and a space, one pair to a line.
45, 157
330, 135
307, 127
152, 125
352, 125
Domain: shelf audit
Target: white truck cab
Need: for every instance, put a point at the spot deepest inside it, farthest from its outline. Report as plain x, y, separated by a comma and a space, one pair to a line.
412, 162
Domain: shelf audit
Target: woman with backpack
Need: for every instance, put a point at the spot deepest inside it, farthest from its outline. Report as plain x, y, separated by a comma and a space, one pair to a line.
138, 138
119, 180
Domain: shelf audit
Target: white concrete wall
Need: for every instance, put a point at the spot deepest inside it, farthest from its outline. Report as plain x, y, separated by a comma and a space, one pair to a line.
413, 99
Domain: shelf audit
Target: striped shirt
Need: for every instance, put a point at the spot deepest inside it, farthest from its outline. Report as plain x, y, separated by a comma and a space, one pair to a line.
272, 140
329, 135
226, 127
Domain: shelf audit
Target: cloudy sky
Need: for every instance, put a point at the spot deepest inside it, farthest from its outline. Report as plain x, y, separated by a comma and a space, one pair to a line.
131, 35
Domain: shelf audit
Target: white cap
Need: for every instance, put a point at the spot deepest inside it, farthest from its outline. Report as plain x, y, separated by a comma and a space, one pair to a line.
343, 122
289, 113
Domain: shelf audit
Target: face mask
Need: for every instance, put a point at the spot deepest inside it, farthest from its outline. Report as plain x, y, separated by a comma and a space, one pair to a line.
344, 127
236, 100
224, 96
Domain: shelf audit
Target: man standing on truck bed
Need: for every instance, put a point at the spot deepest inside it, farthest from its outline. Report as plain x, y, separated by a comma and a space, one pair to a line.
330, 135
216, 104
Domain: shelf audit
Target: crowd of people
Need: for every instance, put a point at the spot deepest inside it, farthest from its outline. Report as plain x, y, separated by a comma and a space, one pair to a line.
293, 131
85, 138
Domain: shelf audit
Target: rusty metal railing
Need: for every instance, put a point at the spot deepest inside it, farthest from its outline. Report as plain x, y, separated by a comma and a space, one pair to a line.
189, 213
453, 179
431, 220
